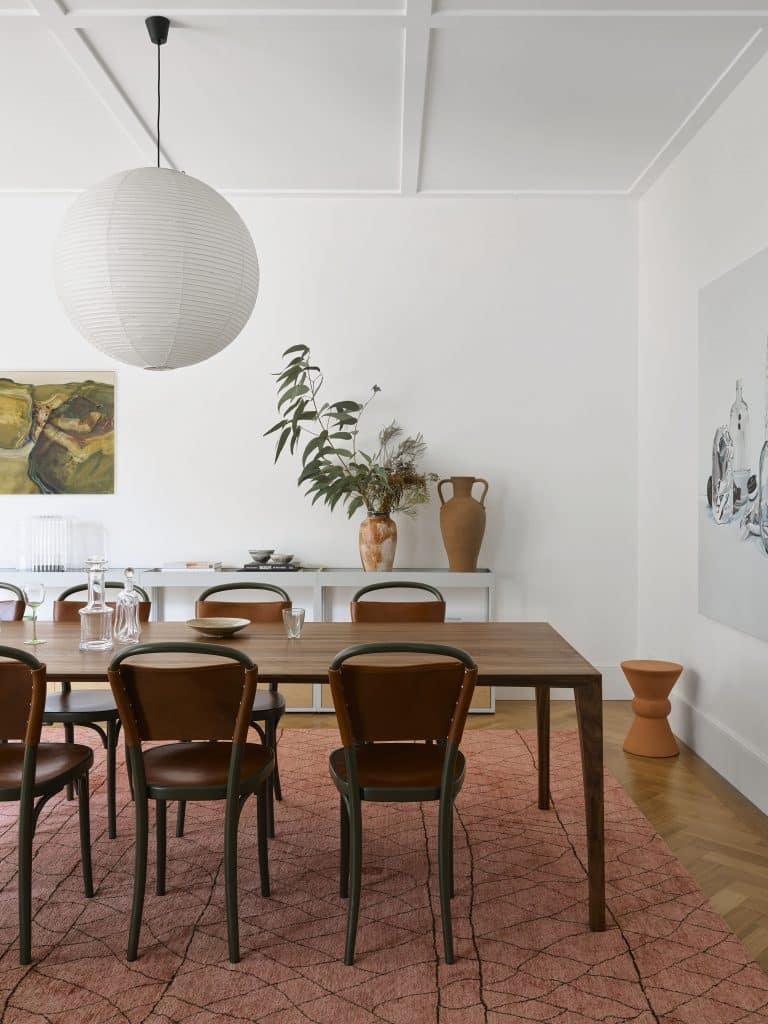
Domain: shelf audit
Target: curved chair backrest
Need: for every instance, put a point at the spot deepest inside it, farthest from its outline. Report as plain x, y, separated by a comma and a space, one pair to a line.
254, 611
398, 611
22, 696
387, 702
12, 611
69, 611
195, 701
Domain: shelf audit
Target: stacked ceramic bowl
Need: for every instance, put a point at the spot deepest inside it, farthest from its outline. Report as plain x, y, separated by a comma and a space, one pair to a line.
267, 556
260, 555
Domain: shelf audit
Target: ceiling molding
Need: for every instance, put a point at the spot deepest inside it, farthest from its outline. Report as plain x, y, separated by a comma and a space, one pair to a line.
83, 16
454, 19
98, 76
755, 48
87, 17
416, 37
524, 193
417, 19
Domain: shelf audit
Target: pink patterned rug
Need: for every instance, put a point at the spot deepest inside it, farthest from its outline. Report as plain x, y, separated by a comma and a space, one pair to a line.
524, 951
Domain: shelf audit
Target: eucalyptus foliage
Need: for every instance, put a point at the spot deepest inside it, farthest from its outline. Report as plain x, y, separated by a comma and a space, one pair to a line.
326, 434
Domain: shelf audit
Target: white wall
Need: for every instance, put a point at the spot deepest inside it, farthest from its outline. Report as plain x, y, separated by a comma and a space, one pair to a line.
708, 213
505, 330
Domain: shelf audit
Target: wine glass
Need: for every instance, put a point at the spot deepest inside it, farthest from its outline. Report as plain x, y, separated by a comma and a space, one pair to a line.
34, 595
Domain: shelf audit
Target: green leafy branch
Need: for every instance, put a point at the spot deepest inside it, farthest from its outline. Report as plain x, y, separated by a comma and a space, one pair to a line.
332, 463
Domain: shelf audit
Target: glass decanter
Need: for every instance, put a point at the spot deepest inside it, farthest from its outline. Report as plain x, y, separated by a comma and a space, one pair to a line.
762, 496
127, 628
96, 617
722, 476
739, 431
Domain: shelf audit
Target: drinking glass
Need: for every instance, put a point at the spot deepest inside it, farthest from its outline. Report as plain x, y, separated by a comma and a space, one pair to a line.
293, 619
34, 595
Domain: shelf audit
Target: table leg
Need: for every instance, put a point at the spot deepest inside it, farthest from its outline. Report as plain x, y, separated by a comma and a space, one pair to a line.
542, 738
589, 710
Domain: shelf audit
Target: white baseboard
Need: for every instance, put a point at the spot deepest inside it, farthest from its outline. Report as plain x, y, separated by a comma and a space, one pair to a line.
731, 755
615, 687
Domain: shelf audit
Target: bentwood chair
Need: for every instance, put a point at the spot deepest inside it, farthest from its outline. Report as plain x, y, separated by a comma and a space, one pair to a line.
87, 708
210, 705
12, 611
269, 705
383, 710
398, 611
32, 772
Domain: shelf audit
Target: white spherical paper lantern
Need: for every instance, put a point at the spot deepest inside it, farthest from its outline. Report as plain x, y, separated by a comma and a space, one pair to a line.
156, 269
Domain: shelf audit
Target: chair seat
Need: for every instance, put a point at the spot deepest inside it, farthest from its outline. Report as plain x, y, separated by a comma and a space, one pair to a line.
204, 766
266, 704
87, 705
57, 763
413, 767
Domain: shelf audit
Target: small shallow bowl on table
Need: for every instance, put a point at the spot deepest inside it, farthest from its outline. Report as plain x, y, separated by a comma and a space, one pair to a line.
280, 559
260, 555
217, 627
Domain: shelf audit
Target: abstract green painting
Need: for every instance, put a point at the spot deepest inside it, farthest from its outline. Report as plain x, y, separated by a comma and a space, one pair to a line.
57, 432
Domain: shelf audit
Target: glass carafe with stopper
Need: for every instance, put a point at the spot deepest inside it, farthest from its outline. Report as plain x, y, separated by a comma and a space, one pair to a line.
127, 628
96, 617
739, 431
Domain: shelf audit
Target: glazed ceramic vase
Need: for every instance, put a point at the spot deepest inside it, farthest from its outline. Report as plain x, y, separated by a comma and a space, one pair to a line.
378, 540
462, 522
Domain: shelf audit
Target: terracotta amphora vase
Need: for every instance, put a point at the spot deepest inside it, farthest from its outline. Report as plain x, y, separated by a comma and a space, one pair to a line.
462, 522
378, 540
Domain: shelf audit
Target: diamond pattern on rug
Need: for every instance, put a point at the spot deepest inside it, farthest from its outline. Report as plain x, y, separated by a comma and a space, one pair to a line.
524, 950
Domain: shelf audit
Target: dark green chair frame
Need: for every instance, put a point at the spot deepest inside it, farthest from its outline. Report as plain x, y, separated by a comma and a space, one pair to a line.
352, 794
405, 584
270, 718
29, 810
245, 585
81, 588
90, 719
234, 803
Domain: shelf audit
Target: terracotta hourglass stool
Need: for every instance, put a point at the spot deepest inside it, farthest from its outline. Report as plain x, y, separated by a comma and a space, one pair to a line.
651, 682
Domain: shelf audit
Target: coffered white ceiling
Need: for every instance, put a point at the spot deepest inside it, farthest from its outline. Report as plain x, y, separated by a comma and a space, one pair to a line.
369, 96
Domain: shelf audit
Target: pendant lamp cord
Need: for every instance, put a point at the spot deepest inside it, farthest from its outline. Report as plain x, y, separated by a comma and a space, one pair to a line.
158, 105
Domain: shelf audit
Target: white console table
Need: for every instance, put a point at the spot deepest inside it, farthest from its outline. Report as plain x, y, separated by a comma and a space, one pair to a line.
320, 585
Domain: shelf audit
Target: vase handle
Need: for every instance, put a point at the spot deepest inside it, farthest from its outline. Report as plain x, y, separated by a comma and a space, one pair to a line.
440, 490
479, 480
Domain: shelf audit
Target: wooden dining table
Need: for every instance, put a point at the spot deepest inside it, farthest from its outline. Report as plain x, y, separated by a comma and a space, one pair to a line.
507, 654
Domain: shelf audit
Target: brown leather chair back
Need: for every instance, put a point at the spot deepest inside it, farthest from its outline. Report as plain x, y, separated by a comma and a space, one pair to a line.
12, 611
397, 611
402, 702
22, 696
196, 702
254, 611
69, 611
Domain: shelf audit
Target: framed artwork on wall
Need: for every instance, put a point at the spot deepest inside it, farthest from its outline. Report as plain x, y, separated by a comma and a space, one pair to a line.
57, 432
732, 458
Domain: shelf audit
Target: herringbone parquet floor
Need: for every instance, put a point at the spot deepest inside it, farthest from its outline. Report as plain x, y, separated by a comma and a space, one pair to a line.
719, 836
